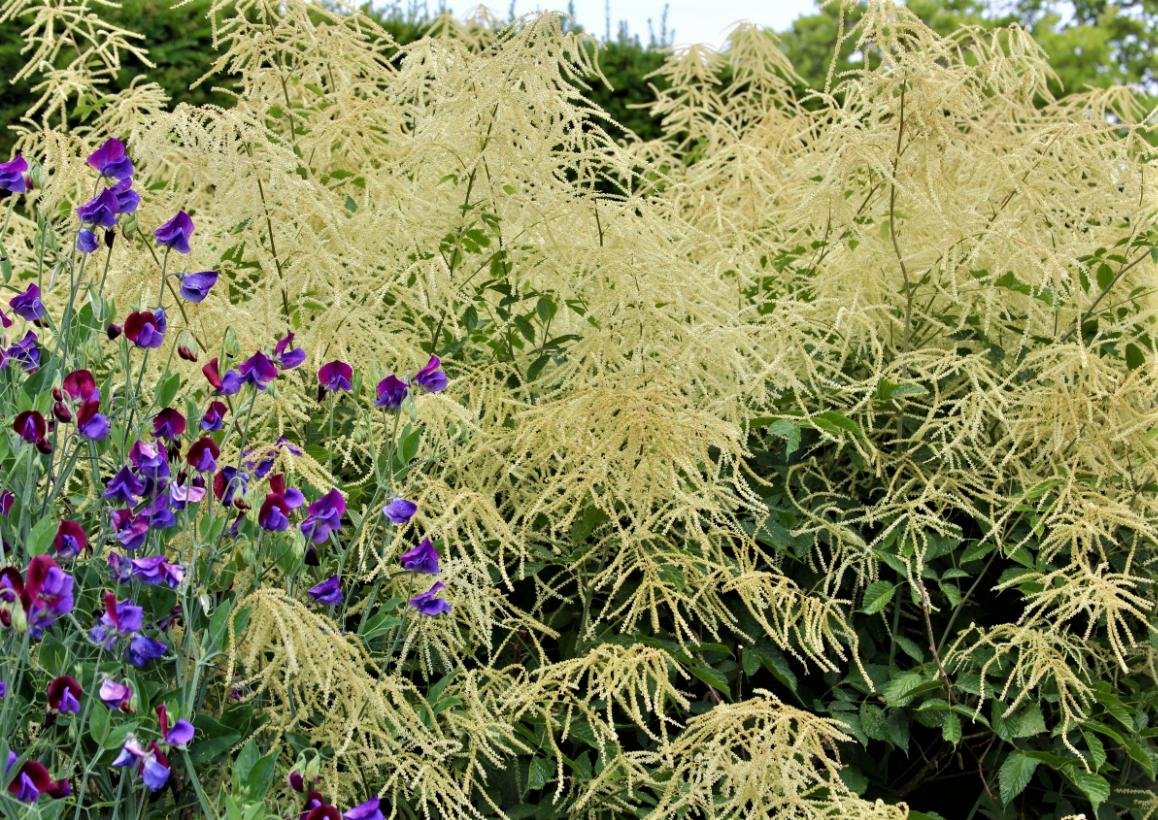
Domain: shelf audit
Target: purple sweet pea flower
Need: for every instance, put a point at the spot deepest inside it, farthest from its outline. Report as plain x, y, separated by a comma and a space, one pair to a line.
429, 605
127, 198
131, 753
179, 734
155, 772
230, 484
169, 423
26, 353
143, 649
124, 487
7, 499
63, 695
288, 356
324, 516
365, 811
431, 378
149, 460
328, 592
132, 530
30, 426
100, 210
120, 569
27, 305
160, 515
12, 175
156, 570
399, 511
86, 241
176, 232
196, 286
91, 424
146, 328
335, 375
70, 540
423, 558
116, 695
202, 455
110, 160
214, 416
391, 393
257, 370
121, 619
47, 594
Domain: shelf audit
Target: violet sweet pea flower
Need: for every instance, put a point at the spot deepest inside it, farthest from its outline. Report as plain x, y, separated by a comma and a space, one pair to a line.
143, 649
131, 530
12, 175
423, 558
124, 487
155, 570
116, 695
427, 604
214, 416
64, 694
110, 160
196, 286
179, 734
127, 198
91, 424
47, 594
399, 511
121, 619
86, 241
230, 484
169, 423
27, 305
324, 516
391, 393
328, 592
176, 232
257, 370
335, 375
100, 210
286, 354
431, 378
26, 353
33, 780
365, 811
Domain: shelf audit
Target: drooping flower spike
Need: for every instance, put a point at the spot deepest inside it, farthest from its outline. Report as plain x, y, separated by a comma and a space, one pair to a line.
12, 175
176, 232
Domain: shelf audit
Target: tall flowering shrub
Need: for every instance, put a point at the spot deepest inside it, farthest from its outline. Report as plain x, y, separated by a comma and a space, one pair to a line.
730, 474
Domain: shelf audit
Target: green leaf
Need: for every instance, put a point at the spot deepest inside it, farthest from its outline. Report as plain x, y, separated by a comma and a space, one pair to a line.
951, 728
1095, 787
1105, 276
545, 308
910, 648
166, 390
1135, 358
872, 720
538, 773
41, 537
899, 691
877, 597
835, 423
1014, 776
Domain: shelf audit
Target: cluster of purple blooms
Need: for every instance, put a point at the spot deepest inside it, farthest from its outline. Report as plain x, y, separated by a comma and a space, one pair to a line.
37, 598
151, 761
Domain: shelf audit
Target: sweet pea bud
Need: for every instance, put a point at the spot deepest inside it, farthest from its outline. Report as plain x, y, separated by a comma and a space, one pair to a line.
61, 412
113, 330
35, 176
44, 446
57, 395
186, 354
110, 235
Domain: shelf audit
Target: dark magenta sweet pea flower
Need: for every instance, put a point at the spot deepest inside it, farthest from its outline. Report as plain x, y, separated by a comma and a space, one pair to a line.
143, 649
427, 604
64, 693
12, 175
431, 378
328, 592
86, 241
169, 424
47, 594
27, 305
257, 370
30, 426
399, 511
214, 417
101, 210
146, 328
286, 354
116, 695
90, 423
7, 499
391, 393
196, 286
335, 375
423, 558
230, 484
202, 455
33, 780
70, 540
110, 160
324, 516
176, 232
79, 385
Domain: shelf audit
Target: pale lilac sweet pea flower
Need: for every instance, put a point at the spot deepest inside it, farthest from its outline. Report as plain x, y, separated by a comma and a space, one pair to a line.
116, 695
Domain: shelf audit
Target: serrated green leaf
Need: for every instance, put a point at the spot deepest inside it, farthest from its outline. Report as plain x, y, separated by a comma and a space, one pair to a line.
1095, 787
872, 720
900, 690
1014, 776
910, 648
538, 773
877, 596
951, 729
789, 431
